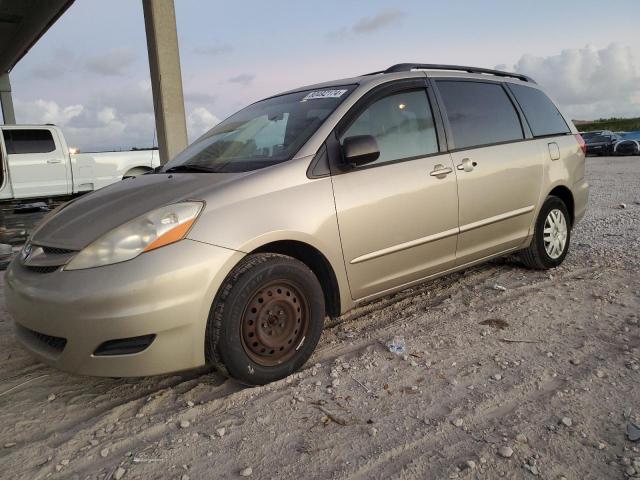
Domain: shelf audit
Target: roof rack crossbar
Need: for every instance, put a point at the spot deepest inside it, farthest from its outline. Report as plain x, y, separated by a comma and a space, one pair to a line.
406, 67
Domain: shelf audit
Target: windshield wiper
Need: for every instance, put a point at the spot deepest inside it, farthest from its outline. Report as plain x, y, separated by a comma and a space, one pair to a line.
188, 169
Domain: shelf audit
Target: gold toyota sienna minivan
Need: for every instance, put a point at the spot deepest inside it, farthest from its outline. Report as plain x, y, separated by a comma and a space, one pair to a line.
296, 208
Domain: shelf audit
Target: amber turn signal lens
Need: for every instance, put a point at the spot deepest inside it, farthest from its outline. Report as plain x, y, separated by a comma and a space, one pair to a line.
172, 236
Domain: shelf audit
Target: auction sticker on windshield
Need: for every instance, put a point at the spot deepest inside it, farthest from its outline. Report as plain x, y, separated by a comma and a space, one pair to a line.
324, 94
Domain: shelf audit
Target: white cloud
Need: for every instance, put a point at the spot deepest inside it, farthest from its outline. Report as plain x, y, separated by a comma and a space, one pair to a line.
47, 111
589, 83
199, 121
91, 128
117, 118
111, 121
107, 115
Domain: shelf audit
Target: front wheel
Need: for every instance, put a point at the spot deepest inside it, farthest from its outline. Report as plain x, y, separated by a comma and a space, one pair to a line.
551, 236
266, 319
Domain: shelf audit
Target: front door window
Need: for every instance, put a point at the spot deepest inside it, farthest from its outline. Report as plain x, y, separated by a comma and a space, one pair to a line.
401, 123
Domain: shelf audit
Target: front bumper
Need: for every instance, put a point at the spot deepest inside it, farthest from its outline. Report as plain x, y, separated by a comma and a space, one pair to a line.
167, 292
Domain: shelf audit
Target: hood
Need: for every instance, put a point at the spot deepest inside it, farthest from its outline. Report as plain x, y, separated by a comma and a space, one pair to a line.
87, 218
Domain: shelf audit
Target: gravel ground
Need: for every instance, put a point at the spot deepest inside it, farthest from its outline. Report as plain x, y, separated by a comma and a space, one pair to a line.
538, 379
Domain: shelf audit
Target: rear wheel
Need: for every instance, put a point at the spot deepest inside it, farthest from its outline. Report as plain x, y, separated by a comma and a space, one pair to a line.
266, 319
551, 237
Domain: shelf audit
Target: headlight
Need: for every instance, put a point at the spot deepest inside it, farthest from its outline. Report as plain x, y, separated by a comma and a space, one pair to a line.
152, 230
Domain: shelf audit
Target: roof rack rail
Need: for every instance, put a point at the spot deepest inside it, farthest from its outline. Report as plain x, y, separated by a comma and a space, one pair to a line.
406, 67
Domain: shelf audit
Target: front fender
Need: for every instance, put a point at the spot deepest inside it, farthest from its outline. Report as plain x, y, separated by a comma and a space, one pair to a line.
252, 213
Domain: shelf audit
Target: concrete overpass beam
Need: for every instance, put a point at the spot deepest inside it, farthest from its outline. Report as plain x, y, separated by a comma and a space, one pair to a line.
166, 77
6, 101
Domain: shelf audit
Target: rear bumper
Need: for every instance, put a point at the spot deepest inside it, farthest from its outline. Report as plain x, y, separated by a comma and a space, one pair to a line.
63, 317
580, 199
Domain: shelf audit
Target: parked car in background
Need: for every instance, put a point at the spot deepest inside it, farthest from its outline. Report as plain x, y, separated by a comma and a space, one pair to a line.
300, 206
593, 133
628, 144
600, 143
37, 164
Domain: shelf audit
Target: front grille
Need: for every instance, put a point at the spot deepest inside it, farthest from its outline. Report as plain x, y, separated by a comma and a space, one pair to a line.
56, 251
42, 269
43, 259
50, 342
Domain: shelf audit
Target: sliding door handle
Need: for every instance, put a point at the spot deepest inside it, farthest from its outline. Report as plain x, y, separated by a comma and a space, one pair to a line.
467, 165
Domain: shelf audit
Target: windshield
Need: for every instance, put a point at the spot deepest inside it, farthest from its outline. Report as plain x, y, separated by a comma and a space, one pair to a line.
263, 134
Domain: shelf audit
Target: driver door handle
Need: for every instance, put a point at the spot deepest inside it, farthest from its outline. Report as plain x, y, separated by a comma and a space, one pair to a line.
440, 171
54, 160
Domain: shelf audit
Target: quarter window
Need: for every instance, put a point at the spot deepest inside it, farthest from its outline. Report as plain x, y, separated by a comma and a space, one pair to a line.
401, 123
542, 115
479, 113
28, 141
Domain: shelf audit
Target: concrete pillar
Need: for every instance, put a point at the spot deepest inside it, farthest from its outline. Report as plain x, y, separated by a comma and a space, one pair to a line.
6, 101
166, 78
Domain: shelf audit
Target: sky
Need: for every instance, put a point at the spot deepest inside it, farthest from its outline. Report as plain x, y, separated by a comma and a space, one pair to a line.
90, 72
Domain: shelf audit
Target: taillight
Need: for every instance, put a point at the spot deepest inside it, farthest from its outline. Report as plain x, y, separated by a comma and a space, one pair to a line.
583, 146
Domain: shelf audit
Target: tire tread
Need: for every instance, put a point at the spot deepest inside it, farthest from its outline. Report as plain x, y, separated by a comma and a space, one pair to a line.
531, 256
214, 324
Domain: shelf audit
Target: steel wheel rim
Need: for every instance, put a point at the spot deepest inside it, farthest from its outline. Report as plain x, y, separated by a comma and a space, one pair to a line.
274, 323
555, 233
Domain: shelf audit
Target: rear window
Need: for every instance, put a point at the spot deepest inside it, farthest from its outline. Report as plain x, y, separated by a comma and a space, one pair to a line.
541, 114
28, 141
479, 113
597, 139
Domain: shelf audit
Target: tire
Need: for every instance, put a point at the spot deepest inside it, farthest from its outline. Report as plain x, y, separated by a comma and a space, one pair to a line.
266, 319
537, 255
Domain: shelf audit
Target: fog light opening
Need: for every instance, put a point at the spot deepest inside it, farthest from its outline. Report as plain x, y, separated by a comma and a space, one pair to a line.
124, 346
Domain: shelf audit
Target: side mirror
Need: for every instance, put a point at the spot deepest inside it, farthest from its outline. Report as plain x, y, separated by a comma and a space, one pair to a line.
360, 149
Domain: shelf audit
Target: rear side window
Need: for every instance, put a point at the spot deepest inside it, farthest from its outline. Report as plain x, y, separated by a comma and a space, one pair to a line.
28, 141
402, 125
479, 113
542, 115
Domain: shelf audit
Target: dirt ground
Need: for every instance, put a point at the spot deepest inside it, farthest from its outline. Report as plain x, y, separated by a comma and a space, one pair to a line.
538, 379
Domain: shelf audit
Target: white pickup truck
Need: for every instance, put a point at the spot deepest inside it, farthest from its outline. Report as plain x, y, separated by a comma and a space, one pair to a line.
37, 164
39, 172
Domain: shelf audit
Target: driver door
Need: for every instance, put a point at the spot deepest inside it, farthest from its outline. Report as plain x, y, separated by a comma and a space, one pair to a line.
398, 216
